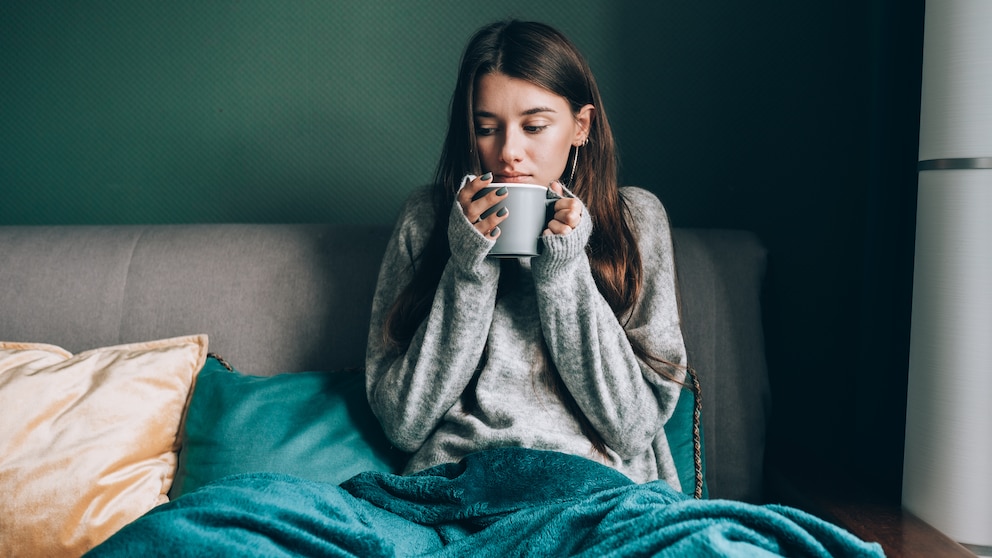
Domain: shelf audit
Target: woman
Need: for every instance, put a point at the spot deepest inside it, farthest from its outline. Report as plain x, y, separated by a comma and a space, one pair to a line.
578, 350
508, 380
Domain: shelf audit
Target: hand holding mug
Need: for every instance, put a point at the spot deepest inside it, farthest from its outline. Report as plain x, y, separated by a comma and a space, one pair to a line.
567, 213
478, 209
511, 214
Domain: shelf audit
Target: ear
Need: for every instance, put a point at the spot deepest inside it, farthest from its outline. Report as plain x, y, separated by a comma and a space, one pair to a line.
583, 119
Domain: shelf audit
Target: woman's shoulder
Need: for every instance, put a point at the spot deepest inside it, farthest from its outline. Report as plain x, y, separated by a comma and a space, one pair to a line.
415, 219
418, 208
419, 199
643, 205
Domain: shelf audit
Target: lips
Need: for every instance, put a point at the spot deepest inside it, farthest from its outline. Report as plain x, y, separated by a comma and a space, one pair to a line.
512, 177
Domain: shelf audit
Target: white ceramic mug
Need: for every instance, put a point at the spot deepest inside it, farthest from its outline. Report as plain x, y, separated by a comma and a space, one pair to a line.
528, 206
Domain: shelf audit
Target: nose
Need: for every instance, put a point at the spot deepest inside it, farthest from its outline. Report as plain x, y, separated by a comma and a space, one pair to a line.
512, 148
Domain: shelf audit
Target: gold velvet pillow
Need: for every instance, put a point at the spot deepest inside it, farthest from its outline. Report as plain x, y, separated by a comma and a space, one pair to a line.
88, 443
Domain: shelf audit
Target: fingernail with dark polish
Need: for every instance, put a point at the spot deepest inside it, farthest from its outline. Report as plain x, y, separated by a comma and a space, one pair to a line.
494, 232
501, 191
501, 212
487, 176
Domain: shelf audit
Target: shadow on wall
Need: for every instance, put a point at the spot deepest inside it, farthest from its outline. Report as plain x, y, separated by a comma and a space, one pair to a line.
798, 122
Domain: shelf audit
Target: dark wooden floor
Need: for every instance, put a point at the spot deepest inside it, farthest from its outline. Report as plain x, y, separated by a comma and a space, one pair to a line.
901, 534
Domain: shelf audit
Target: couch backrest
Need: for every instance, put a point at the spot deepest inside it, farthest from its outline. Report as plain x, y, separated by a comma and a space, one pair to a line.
286, 298
272, 298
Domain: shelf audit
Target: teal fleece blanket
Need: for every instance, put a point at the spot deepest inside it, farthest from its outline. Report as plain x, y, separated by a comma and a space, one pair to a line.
505, 502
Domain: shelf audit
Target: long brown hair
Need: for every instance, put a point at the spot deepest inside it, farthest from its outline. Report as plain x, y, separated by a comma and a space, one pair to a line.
541, 55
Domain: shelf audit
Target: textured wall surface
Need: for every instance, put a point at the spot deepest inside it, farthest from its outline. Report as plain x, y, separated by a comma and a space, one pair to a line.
185, 111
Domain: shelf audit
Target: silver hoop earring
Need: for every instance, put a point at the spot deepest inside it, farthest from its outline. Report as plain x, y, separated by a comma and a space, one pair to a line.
575, 161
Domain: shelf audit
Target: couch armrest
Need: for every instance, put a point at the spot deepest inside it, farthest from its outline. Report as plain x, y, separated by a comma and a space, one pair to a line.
720, 274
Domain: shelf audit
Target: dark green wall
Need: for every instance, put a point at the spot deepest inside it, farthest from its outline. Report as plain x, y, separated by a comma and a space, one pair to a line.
796, 120
190, 111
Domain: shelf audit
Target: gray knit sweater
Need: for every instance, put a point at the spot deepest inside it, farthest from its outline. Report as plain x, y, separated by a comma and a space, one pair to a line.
443, 399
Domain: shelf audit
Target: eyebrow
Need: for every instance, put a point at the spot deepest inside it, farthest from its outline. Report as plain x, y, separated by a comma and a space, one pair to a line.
528, 112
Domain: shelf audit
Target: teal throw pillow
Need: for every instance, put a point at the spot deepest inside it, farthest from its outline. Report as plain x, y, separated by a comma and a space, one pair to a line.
315, 425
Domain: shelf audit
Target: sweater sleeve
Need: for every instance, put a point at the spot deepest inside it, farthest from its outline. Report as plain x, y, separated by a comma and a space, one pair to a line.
623, 397
410, 391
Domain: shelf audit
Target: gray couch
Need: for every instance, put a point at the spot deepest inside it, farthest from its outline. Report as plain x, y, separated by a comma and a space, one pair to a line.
285, 298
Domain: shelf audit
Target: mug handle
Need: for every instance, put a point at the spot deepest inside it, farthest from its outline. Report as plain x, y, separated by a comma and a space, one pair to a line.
549, 206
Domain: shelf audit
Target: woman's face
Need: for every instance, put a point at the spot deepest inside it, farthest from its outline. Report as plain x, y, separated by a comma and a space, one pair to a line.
524, 132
